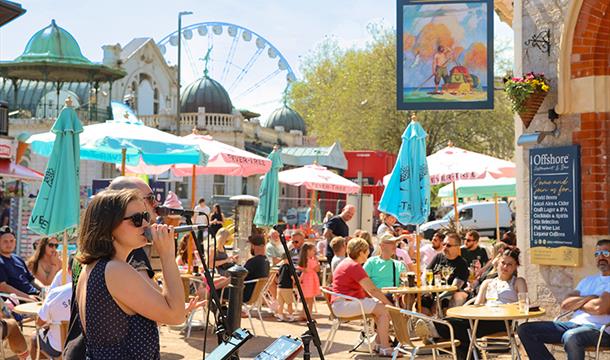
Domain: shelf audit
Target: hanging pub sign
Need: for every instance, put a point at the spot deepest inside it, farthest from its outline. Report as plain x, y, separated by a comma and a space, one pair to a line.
555, 229
444, 55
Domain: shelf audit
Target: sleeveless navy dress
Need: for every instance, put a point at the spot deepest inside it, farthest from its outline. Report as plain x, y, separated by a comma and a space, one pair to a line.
111, 334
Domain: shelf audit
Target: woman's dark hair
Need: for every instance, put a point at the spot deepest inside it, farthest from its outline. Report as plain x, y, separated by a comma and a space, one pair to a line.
303, 254
41, 249
512, 252
509, 238
103, 215
217, 209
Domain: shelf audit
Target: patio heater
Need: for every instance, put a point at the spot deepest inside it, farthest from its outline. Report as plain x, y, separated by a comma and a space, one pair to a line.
245, 208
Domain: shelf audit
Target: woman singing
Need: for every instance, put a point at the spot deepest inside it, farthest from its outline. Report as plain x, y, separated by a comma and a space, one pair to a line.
118, 308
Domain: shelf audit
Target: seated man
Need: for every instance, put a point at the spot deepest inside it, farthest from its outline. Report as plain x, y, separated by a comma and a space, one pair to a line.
591, 305
258, 265
54, 310
450, 258
472, 252
296, 243
383, 270
15, 278
429, 251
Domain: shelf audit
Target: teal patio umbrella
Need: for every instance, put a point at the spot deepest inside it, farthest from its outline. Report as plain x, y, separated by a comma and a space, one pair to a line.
126, 140
269, 192
57, 207
407, 194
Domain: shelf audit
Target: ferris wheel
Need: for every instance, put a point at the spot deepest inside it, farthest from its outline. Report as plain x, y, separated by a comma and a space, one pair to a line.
252, 70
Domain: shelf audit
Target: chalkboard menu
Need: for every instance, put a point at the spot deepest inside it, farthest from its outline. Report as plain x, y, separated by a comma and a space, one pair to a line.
555, 224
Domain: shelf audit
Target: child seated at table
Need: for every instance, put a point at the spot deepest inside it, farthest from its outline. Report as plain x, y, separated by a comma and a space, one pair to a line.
285, 295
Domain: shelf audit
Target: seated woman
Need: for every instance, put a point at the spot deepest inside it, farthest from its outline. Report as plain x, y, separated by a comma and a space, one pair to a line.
503, 289
45, 262
218, 258
350, 279
182, 260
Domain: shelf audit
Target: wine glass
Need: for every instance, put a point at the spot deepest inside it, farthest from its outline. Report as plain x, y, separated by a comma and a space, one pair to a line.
404, 277
446, 272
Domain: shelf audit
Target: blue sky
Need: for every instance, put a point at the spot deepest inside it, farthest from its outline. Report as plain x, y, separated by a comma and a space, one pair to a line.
294, 28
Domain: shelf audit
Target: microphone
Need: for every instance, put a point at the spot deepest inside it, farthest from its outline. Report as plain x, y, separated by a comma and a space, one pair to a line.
186, 228
177, 230
165, 211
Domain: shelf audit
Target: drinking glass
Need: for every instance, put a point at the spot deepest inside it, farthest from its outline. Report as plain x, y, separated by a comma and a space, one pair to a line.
446, 271
437, 280
429, 277
491, 295
404, 277
524, 303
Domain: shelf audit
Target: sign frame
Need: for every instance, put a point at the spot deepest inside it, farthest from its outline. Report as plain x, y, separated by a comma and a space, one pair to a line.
555, 206
442, 101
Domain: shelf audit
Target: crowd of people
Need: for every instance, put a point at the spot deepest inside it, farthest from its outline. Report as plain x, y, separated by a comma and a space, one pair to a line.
112, 284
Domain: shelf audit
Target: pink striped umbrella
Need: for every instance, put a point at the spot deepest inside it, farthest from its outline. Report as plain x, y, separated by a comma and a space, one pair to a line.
316, 177
223, 159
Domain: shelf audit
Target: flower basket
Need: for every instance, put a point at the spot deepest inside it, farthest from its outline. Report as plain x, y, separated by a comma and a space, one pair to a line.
531, 106
526, 94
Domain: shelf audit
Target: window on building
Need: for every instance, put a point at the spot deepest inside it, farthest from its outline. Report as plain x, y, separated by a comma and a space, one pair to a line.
156, 101
244, 185
219, 185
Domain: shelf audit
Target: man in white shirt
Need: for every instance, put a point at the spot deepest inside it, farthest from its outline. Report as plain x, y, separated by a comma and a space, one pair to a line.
201, 207
591, 305
429, 251
54, 310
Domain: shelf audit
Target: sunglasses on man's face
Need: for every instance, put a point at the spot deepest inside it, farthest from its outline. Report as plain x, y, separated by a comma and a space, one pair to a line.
138, 218
53, 245
604, 253
447, 245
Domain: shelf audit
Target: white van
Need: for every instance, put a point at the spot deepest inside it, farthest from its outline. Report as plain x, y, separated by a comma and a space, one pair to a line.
474, 216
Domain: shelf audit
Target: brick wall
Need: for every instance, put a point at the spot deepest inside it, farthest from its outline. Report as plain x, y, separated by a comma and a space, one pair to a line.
591, 42
595, 167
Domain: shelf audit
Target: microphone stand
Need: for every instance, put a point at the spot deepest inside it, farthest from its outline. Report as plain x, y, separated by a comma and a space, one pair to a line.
221, 322
312, 332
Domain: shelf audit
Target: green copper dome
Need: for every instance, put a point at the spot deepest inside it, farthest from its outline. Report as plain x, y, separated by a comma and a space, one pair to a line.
53, 44
286, 117
208, 93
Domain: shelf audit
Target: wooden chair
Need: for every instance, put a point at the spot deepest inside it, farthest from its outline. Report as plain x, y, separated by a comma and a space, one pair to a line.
338, 320
408, 344
598, 348
256, 301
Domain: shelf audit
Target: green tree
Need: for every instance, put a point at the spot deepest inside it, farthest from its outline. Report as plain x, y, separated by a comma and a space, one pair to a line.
349, 95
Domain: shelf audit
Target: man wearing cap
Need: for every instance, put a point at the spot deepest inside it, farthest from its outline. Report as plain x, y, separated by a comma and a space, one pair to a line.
15, 278
383, 269
257, 265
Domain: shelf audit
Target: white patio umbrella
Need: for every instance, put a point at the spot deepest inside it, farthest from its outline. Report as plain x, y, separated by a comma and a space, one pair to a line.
452, 163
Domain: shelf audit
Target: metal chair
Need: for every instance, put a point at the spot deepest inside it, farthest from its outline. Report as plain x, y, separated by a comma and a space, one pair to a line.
597, 348
408, 344
256, 301
338, 320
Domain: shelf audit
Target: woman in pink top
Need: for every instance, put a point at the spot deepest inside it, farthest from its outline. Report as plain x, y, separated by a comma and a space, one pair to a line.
350, 279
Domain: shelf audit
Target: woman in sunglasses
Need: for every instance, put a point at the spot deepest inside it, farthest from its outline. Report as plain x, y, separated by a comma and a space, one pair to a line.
45, 262
118, 308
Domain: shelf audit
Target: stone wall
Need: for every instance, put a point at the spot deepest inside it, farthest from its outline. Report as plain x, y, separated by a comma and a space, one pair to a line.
548, 285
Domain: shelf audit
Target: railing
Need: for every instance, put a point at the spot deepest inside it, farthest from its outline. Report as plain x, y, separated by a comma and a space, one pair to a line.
188, 121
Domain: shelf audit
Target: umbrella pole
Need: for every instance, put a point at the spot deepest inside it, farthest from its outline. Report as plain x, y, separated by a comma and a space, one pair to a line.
190, 243
64, 258
455, 210
123, 156
497, 217
418, 267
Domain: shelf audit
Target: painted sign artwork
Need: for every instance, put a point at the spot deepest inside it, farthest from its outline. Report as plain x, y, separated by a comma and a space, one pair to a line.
445, 55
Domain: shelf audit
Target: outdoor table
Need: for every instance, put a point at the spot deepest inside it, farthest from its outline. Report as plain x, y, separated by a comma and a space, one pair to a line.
504, 312
30, 308
404, 290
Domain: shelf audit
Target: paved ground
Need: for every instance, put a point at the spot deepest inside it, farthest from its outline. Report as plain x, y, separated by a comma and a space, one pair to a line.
175, 346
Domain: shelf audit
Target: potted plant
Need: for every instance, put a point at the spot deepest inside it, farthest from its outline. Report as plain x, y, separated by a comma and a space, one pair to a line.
526, 94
